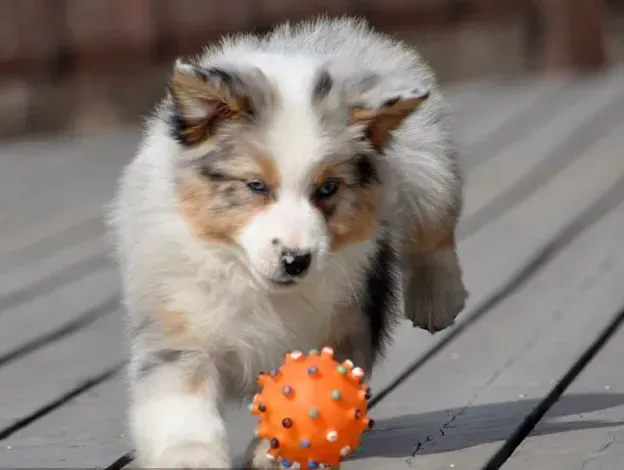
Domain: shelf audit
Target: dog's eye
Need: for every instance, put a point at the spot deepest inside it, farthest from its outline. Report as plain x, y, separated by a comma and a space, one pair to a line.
258, 186
327, 189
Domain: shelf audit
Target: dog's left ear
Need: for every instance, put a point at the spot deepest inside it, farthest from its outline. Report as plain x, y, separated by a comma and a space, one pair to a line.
380, 114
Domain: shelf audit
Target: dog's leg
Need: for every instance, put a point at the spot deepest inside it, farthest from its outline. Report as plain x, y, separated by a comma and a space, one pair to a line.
256, 456
434, 291
174, 417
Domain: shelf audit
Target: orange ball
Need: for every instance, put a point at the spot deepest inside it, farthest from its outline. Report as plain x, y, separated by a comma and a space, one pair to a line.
312, 409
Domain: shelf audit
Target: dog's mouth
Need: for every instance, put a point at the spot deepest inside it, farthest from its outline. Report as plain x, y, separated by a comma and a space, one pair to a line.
274, 283
284, 282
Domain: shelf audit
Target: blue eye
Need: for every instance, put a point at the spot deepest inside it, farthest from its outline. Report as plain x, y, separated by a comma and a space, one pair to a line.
327, 189
257, 186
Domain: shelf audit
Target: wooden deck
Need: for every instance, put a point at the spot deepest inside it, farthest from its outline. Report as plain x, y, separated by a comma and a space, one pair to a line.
541, 243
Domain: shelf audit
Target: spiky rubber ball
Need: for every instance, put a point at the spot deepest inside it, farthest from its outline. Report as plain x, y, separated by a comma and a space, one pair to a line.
312, 409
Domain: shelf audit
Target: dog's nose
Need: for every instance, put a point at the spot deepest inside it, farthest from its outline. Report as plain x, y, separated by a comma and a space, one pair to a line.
296, 262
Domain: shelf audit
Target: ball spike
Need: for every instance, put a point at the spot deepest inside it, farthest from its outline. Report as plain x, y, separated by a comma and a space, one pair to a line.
295, 355
327, 352
357, 373
262, 379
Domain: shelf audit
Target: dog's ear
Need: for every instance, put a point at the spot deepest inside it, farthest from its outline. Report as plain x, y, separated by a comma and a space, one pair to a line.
380, 111
203, 98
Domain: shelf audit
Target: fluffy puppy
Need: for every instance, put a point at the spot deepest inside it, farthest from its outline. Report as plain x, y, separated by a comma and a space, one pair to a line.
292, 191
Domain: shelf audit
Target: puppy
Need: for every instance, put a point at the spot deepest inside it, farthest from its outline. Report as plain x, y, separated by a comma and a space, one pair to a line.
291, 191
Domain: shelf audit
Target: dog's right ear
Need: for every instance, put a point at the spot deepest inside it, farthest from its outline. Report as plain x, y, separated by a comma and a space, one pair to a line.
203, 99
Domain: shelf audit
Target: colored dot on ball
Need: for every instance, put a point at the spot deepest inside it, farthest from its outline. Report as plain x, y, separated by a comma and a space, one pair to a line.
286, 463
313, 413
287, 389
359, 449
274, 372
342, 369
345, 450
287, 422
312, 370
305, 444
358, 372
313, 351
357, 414
336, 394
275, 443
296, 354
332, 436
250, 406
313, 465
261, 407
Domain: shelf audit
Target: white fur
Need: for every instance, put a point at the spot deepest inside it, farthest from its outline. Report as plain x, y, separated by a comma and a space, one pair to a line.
236, 318
175, 429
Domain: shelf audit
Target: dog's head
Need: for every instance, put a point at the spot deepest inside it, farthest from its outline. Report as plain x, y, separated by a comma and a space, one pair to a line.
287, 164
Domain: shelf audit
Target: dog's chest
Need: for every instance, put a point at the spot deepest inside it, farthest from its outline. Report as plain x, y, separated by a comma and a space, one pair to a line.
258, 328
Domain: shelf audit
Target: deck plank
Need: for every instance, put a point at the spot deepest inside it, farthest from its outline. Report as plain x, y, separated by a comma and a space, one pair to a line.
500, 152
529, 154
585, 429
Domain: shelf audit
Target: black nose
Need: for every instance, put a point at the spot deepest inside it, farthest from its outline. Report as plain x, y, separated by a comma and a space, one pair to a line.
296, 262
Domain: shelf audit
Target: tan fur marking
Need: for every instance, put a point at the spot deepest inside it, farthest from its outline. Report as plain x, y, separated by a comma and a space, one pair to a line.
432, 238
322, 173
357, 223
218, 210
175, 327
380, 122
195, 382
196, 97
352, 214
175, 323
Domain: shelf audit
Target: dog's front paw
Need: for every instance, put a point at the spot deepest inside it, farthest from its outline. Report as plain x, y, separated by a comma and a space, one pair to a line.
192, 456
256, 456
435, 293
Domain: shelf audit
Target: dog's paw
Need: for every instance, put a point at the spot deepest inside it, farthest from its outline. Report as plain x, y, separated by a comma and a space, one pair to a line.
435, 294
256, 456
192, 456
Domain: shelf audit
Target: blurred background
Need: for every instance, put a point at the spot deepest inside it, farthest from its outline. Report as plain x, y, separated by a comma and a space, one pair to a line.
78, 65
